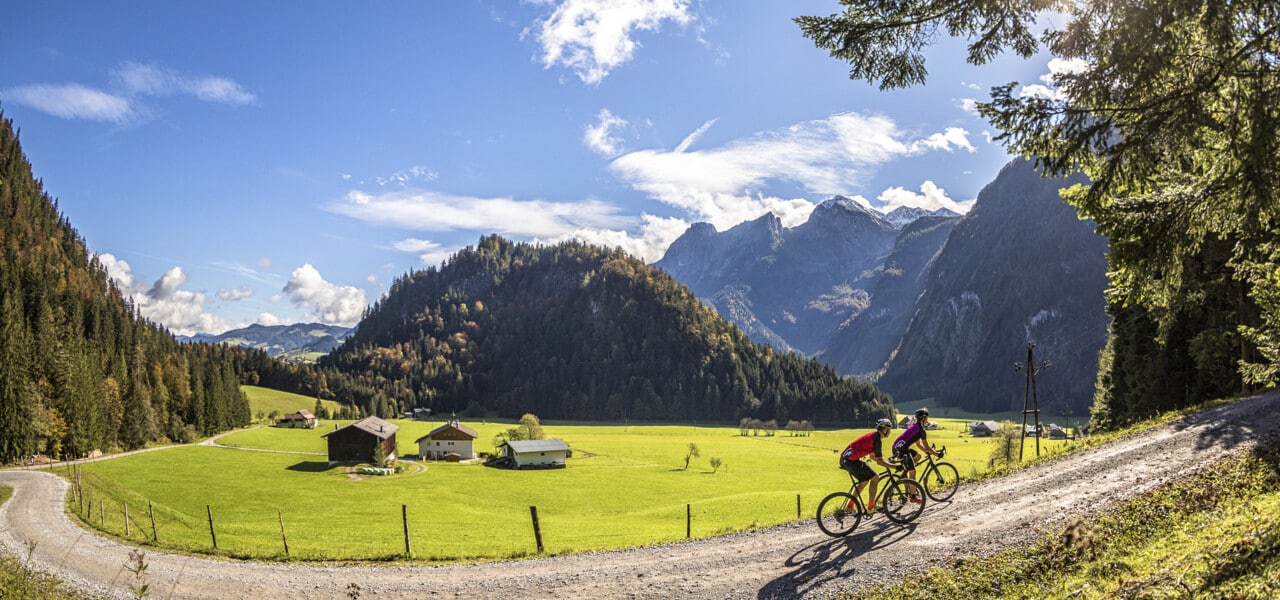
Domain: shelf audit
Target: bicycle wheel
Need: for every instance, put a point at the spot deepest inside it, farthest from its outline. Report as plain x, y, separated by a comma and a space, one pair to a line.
838, 514
898, 501
941, 481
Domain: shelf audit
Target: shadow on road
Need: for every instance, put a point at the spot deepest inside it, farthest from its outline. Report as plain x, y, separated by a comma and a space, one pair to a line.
1232, 424
835, 558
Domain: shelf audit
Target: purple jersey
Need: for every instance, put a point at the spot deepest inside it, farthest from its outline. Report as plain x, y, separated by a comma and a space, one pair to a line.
912, 433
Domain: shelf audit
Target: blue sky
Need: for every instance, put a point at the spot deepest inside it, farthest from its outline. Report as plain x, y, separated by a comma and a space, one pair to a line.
276, 162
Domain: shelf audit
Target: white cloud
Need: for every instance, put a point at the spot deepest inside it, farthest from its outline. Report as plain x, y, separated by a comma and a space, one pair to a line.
1052, 88
656, 235
953, 136
264, 262
269, 319
600, 138
693, 137
429, 252
152, 80
330, 303
593, 37
178, 310
72, 101
434, 211
931, 197
231, 295
969, 105
404, 177
725, 186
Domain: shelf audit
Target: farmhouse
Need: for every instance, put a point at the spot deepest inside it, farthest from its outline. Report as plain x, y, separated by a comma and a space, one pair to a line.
983, 428
1056, 432
360, 441
301, 419
451, 442
535, 454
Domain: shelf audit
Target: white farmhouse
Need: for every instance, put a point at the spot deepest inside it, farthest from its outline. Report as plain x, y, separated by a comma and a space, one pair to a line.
536, 454
449, 442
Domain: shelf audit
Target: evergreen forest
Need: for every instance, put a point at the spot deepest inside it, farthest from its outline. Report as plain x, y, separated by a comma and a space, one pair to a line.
573, 331
79, 368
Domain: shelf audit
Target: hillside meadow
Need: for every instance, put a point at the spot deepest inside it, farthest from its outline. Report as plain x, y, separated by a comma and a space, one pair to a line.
264, 401
625, 486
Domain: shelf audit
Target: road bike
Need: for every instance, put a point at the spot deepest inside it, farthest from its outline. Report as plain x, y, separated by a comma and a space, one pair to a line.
940, 479
841, 512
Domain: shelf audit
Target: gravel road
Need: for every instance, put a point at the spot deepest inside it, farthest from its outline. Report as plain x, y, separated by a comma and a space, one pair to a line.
789, 561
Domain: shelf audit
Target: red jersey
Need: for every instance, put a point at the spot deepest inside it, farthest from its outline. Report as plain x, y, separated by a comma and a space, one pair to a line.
866, 445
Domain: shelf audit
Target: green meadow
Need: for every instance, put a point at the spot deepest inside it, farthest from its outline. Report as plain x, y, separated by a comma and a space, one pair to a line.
625, 486
265, 400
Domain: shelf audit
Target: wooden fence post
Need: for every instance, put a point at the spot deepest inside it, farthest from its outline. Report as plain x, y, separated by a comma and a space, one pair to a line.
150, 509
797, 506
212, 535
688, 521
537, 529
404, 516
126, 519
283, 537
102, 515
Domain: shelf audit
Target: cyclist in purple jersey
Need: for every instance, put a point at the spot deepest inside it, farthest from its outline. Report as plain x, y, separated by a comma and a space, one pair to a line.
914, 434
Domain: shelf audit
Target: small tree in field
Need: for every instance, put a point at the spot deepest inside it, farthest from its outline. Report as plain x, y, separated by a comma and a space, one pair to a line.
692, 454
1005, 449
715, 463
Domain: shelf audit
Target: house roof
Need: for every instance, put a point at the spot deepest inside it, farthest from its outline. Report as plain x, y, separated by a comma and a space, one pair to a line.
379, 428
301, 414
451, 425
537, 445
990, 425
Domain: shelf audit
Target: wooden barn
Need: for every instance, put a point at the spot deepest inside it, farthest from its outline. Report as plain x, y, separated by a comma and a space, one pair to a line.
451, 442
359, 441
983, 428
536, 454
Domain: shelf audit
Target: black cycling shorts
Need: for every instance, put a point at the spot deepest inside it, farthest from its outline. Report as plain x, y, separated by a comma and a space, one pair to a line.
857, 468
907, 457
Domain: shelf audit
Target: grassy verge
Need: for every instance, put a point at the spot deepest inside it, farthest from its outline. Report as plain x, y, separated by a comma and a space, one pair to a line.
17, 582
1212, 534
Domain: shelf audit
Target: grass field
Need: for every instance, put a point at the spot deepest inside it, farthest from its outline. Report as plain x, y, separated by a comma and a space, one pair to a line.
265, 400
625, 486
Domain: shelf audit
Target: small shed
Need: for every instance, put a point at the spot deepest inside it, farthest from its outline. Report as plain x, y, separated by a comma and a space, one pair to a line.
302, 419
983, 428
906, 422
536, 454
1056, 432
451, 438
359, 441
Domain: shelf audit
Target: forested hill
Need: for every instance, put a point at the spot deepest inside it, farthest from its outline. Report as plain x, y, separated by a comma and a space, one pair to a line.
573, 331
79, 369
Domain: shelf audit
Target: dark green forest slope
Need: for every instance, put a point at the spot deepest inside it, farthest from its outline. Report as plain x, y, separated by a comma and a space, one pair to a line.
79, 368
573, 331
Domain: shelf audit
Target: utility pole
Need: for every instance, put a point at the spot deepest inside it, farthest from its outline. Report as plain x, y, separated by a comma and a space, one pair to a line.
1030, 397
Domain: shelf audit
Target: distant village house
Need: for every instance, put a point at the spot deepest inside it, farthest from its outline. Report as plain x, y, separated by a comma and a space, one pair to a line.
360, 441
451, 442
983, 428
535, 454
302, 419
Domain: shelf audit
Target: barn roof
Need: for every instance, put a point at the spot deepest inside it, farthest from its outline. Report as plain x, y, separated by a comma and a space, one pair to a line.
379, 428
454, 425
537, 445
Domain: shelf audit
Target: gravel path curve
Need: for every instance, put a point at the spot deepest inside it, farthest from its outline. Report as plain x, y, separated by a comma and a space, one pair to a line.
784, 562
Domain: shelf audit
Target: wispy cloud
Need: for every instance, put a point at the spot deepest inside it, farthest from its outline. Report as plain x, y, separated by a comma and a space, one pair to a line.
435, 211
404, 177
153, 80
594, 37
651, 242
71, 101
601, 138
429, 252
120, 100
727, 185
234, 294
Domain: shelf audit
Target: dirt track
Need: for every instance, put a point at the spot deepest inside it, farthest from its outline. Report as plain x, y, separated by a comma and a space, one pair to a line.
791, 561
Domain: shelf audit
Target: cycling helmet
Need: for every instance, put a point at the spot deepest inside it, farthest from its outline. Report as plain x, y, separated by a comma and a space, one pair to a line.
884, 423
924, 412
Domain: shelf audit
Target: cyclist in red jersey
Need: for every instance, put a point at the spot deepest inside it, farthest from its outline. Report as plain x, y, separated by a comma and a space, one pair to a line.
867, 445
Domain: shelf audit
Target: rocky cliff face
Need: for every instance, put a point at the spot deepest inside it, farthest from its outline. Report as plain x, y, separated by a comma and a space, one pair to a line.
786, 287
862, 345
1019, 268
